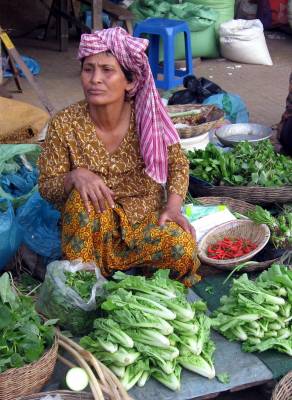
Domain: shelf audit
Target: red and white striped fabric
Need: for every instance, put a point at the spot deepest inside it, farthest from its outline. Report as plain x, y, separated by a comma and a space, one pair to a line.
155, 128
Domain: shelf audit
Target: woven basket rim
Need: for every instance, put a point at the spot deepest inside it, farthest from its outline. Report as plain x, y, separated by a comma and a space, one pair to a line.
36, 372
235, 204
252, 194
196, 130
283, 389
66, 394
234, 261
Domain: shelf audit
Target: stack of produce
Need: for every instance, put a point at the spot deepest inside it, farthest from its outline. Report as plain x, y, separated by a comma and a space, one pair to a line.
258, 312
151, 330
24, 336
280, 226
245, 165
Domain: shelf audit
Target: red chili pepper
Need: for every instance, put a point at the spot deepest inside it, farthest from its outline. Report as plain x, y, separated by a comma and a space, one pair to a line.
230, 248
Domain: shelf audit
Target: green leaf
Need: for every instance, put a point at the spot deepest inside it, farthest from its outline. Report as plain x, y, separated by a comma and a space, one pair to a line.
16, 361
6, 293
51, 322
224, 377
6, 317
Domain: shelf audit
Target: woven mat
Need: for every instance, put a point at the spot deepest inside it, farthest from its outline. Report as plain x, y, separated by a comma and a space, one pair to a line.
211, 289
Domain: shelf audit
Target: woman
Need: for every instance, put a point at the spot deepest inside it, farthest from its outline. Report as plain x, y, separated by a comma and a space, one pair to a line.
285, 126
108, 161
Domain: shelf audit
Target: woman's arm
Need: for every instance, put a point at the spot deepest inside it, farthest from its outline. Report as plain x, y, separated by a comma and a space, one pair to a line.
54, 164
178, 172
177, 186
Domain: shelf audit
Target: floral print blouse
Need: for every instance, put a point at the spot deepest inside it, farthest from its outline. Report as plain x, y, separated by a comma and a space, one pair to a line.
72, 143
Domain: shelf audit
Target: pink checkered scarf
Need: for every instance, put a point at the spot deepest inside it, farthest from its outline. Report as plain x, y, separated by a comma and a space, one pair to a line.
153, 123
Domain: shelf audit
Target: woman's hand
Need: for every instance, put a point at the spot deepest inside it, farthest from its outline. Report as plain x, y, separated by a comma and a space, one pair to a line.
91, 187
174, 215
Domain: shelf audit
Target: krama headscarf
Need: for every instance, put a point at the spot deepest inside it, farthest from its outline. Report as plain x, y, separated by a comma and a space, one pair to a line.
155, 128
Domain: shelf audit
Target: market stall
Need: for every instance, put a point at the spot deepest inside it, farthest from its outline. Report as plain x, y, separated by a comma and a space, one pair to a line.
145, 338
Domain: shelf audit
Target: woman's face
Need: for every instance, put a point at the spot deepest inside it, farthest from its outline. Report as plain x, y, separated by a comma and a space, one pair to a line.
103, 80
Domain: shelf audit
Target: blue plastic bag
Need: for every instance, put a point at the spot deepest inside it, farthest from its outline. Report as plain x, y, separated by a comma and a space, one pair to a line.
31, 64
40, 224
10, 233
18, 172
233, 106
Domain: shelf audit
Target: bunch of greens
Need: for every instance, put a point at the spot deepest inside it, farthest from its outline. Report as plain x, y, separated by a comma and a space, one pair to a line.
258, 313
151, 330
82, 282
66, 296
23, 336
280, 226
245, 165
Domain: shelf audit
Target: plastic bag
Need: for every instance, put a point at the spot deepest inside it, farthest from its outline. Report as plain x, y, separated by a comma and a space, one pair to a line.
197, 90
11, 235
40, 224
58, 300
233, 106
31, 64
200, 19
244, 41
18, 172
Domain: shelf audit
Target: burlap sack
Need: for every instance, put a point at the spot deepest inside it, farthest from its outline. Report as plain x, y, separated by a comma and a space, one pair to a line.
20, 122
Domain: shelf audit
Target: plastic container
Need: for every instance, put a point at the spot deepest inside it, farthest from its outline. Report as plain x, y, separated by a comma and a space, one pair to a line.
198, 142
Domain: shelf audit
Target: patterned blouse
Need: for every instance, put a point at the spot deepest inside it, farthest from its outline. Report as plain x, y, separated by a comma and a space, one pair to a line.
72, 143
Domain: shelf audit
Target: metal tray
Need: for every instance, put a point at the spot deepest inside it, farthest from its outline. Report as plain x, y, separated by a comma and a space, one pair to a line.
230, 135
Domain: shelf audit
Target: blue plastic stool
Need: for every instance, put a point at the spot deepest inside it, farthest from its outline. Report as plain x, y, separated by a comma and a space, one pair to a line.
167, 29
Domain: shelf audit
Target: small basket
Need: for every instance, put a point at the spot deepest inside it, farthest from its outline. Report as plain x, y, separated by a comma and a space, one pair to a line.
251, 194
283, 389
213, 116
65, 394
240, 207
17, 382
258, 234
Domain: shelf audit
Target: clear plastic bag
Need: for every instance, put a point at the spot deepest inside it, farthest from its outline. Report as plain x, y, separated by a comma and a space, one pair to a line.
58, 300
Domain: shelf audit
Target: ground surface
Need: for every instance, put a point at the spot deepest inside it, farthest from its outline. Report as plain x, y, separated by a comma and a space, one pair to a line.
264, 89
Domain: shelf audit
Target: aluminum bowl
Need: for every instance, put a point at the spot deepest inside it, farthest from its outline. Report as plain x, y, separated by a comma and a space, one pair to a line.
230, 135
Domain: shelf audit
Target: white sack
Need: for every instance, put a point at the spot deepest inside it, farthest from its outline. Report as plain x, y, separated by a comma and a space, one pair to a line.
244, 41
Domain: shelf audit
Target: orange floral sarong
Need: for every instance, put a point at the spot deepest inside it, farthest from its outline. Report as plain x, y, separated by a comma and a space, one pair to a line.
114, 243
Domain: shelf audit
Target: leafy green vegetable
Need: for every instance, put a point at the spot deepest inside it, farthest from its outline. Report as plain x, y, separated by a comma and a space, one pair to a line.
122, 299
150, 337
281, 226
172, 381
82, 282
197, 364
224, 377
23, 336
258, 313
113, 328
57, 299
245, 165
162, 325
138, 319
133, 373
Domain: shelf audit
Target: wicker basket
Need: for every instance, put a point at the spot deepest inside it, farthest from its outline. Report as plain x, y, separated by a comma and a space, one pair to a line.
252, 194
258, 234
240, 207
17, 382
234, 205
65, 394
213, 115
283, 389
